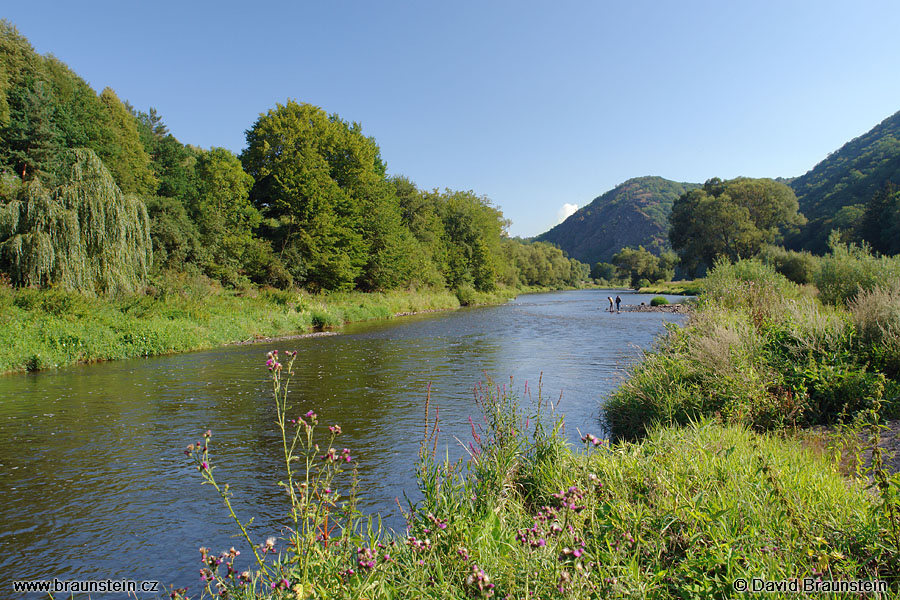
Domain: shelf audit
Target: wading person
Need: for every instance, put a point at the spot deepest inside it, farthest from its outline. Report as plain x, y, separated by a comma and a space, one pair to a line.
618, 301
610, 303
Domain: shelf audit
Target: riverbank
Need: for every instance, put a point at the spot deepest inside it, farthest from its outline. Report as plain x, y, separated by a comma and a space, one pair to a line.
42, 329
684, 512
693, 287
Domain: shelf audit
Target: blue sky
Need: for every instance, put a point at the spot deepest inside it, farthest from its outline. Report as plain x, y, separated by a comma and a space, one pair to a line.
533, 104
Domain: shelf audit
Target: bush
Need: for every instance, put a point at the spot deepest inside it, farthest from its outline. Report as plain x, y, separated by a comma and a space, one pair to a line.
466, 295
876, 315
659, 301
799, 267
849, 269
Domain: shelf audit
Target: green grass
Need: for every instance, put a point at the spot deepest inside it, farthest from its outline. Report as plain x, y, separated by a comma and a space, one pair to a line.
692, 287
42, 329
758, 351
681, 514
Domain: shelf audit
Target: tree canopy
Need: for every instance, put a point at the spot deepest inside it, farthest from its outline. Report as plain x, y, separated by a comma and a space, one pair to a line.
732, 219
308, 203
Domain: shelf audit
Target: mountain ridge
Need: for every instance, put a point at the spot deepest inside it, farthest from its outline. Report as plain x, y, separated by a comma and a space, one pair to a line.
633, 213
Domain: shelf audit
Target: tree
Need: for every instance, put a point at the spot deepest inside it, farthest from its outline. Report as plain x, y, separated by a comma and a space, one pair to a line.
31, 141
315, 177
602, 270
732, 218
85, 235
635, 265
222, 210
123, 153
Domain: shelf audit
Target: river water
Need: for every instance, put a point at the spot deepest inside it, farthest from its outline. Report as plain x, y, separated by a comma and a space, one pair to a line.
94, 483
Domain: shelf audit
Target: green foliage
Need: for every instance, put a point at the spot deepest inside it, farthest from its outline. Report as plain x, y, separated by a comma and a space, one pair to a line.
313, 173
799, 267
879, 223
123, 153
176, 240
659, 301
732, 219
641, 268
848, 269
758, 353
603, 270
223, 213
876, 316
856, 174
85, 235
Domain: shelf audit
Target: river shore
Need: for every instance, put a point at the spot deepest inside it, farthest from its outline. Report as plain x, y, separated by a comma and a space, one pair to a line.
45, 329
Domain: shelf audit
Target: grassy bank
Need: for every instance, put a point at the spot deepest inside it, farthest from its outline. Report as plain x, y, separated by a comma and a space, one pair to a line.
42, 329
684, 513
764, 352
691, 287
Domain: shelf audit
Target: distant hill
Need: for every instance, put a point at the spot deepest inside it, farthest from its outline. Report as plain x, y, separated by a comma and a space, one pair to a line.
833, 192
631, 214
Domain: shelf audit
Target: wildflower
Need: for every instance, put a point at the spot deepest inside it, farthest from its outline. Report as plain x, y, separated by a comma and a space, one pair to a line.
345, 454
463, 552
330, 455
335, 429
312, 417
365, 557
189, 450
480, 582
204, 466
417, 544
591, 439
282, 584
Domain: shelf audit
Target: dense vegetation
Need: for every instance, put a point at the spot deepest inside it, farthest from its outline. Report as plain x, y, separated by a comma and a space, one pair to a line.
99, 197
730, 219
632, 214
851, 190
762, 352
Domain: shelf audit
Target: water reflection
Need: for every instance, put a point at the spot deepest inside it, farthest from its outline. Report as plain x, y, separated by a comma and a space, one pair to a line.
94, 483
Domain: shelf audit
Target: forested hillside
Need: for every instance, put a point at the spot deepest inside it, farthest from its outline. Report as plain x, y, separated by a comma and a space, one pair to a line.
851, 190
632, 214
98, 196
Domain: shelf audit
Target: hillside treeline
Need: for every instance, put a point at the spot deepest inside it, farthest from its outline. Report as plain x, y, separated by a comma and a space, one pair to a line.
97, 196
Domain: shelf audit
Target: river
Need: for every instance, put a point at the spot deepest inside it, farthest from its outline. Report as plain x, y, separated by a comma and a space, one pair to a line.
94, 483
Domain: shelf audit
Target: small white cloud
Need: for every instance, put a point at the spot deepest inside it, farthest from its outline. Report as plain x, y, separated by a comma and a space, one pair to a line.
565, 212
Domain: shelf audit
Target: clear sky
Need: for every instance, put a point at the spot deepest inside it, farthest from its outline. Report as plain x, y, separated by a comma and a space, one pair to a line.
536, 105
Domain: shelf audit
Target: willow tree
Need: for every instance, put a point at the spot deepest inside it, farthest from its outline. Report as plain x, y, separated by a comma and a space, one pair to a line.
84, 235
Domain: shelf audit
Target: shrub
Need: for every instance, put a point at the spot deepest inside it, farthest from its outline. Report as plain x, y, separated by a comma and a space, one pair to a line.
799, 267
658, 301
849, 269
747, 284
876, 315
466, 294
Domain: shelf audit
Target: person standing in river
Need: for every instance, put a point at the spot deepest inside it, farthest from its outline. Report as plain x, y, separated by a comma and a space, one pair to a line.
610, 303
618, 301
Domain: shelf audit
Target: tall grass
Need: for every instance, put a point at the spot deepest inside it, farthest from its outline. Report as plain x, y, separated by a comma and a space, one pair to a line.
760, 353
849, 269
42, 329
685, 513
